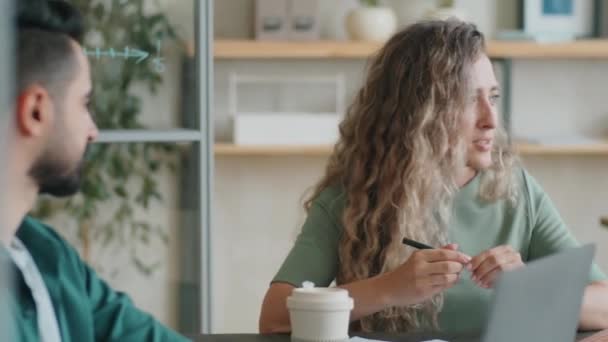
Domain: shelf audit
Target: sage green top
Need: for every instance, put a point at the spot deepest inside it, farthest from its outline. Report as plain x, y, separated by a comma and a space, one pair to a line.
533, 227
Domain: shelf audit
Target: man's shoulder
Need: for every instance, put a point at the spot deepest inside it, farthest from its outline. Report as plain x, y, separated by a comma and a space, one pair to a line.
32, 226
40, 237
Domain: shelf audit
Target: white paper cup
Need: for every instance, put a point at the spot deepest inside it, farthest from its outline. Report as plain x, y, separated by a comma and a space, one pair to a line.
319, 314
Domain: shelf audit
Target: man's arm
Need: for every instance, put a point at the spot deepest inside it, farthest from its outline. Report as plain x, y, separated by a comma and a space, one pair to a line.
115, 316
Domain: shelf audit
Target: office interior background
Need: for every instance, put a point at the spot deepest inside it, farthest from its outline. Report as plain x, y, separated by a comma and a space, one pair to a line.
192, 216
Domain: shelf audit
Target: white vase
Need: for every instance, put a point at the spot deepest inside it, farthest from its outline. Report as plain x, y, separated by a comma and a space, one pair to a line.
444, 13
371, 23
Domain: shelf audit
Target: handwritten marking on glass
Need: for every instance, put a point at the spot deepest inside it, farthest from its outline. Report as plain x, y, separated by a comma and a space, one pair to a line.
129, 53
158, 61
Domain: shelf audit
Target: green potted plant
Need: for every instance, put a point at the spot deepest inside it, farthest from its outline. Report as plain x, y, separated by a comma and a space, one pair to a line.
119, 179
371, 22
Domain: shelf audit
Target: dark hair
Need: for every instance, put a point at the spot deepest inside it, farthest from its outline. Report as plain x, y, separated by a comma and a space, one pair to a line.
46, 31
53, 16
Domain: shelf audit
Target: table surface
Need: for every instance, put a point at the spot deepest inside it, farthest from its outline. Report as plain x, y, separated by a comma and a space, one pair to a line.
383, 337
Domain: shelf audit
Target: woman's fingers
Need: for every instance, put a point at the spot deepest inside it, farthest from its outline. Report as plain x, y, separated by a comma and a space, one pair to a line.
445, 267
435, 255
487, 266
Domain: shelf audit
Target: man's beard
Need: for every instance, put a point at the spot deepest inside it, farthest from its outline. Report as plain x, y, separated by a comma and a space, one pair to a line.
55, 177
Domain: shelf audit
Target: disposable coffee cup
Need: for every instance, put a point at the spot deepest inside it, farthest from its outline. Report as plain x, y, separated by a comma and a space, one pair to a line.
319, 314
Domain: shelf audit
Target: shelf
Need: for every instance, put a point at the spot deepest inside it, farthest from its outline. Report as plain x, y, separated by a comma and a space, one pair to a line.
252, 49
145, 135
241, 49
224, 149
227, 149
582, 49
600, 148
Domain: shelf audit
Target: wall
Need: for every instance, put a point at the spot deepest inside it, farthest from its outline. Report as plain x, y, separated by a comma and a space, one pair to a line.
257, 209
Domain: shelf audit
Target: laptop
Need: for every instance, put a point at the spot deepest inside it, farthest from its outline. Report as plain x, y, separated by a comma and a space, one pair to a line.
542, 301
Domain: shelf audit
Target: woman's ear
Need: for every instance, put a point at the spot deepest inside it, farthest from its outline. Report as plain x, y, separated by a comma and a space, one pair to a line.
34, 112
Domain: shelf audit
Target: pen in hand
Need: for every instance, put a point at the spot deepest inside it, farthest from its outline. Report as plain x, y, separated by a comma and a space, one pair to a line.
416, 244
421, 245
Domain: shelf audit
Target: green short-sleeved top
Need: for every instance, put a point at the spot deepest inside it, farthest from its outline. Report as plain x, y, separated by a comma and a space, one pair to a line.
533, 227
87, 309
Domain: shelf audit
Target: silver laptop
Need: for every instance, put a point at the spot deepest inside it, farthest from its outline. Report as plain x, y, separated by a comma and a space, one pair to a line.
542, 301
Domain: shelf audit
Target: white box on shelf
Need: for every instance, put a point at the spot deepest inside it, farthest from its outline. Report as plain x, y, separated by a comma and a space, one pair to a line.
286, 128
304, 20
281, 127
271, 19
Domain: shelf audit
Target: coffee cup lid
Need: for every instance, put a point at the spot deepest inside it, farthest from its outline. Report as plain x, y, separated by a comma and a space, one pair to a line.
324, 298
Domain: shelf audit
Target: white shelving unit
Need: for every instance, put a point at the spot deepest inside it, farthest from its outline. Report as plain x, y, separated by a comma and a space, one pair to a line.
501, 51
149, 136
194, 287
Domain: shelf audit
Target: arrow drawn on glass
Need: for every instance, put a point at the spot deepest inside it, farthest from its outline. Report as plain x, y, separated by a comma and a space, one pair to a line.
159, 62
127, 53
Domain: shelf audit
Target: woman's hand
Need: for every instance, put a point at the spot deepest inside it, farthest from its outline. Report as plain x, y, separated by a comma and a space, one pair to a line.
487, 266
425, 273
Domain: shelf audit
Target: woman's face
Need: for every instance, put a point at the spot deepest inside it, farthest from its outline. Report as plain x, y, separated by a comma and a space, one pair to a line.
480, 118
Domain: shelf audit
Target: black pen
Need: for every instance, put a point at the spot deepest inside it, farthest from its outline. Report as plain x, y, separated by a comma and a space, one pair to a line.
416, 244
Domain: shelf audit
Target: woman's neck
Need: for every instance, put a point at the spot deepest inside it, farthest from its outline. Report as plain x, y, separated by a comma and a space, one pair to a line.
465, 176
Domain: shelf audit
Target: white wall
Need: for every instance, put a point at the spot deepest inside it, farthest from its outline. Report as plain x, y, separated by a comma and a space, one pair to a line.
257, 216
257, 200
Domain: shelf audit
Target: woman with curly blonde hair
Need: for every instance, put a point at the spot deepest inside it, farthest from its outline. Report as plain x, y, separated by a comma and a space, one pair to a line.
422, 155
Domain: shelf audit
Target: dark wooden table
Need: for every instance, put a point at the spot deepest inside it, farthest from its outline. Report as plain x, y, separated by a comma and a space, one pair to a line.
383, 337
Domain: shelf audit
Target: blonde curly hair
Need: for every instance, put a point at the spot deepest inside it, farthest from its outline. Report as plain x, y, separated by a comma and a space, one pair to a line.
399, 146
